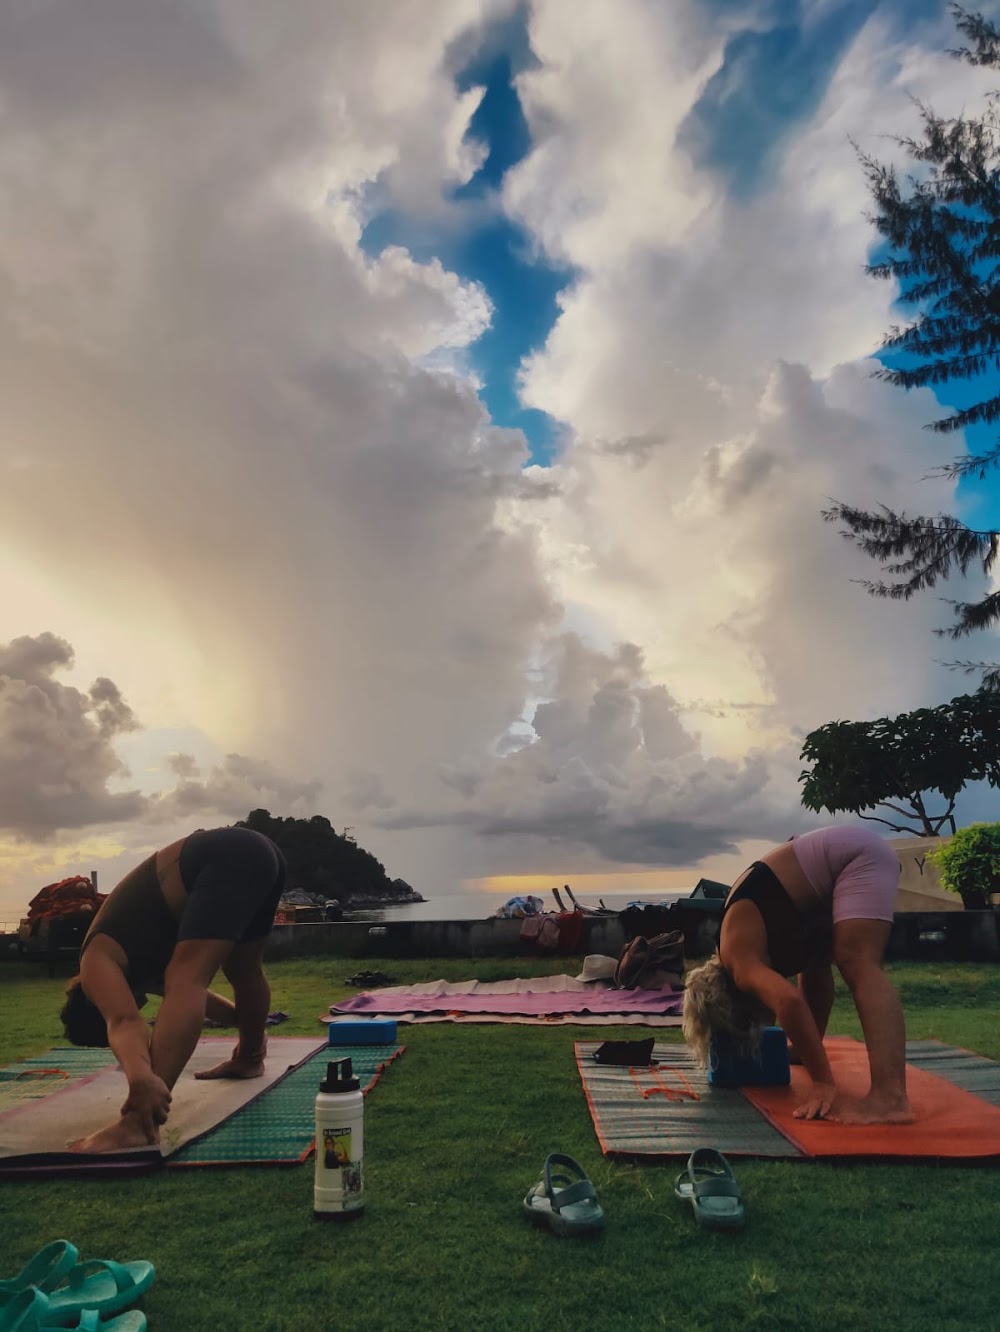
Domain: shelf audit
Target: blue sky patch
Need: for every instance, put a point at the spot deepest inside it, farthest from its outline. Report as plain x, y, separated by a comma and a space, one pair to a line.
770, 81
488, 248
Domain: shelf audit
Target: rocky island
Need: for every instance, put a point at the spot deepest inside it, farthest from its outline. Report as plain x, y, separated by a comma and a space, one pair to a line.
327, 866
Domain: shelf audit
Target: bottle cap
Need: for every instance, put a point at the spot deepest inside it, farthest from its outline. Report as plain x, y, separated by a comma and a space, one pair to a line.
339, 1077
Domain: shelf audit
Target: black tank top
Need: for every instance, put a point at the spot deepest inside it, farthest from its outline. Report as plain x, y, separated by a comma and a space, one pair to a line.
137, 917
793, 937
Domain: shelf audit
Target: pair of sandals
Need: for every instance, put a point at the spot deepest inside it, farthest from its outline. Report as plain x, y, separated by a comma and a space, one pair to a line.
565, 1200
54, 1290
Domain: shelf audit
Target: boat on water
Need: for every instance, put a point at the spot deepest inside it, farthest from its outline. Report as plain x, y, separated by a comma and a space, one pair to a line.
599, 910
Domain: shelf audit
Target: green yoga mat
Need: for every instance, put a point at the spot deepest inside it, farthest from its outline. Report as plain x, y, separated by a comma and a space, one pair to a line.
49, 1072
277, 1128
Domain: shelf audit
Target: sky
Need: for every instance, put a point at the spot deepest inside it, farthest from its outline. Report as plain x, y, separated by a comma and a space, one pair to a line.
419, 412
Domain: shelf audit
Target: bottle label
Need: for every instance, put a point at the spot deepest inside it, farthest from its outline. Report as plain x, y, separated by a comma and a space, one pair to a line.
336, 1148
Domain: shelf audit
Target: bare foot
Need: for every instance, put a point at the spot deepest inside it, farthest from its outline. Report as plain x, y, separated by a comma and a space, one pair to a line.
122, 1134
233, 1068
873, 1110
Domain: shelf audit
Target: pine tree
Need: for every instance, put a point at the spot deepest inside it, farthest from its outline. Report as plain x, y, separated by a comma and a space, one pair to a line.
942, 229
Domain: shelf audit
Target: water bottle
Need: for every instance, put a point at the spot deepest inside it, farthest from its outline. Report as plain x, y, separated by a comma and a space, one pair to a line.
338, 1190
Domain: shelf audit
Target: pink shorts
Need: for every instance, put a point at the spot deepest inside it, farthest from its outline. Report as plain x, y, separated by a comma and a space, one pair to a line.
854, 867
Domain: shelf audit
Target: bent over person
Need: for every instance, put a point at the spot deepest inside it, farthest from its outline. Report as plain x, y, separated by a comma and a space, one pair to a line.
204, 902
824, 896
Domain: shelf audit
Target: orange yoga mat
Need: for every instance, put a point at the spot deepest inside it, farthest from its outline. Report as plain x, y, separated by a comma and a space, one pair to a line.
950, 1122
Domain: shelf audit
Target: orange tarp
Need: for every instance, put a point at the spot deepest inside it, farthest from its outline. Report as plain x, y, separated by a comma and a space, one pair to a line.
68, 897
950, 1122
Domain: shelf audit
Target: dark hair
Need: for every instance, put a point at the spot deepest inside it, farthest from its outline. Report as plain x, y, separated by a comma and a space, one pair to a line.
83, 1022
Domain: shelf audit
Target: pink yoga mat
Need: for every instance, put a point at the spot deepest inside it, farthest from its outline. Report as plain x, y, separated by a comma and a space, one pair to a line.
531, 1003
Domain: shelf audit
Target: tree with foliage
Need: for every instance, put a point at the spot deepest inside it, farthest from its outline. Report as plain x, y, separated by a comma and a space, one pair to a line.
859, 766
324, 863
942, 231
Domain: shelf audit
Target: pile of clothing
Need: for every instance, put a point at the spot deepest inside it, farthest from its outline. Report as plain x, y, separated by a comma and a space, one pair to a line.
517, 908
58, 901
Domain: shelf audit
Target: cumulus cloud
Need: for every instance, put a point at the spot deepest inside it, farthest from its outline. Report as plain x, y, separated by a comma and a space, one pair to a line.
218, 401
233, 788
611, 772
242, 471
56, 752
738, 334
60, 771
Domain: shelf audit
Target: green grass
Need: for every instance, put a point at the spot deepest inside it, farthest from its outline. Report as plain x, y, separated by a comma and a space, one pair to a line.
456, 1132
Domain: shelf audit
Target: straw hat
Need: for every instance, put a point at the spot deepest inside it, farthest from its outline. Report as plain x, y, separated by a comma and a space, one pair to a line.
598, 967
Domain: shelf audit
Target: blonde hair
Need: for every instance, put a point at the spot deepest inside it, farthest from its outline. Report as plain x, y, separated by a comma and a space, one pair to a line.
713, 1006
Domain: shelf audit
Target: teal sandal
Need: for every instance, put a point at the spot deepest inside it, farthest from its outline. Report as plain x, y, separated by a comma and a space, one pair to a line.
45, 1269
565, 1201
710, 1186
31, 1310
98, 1285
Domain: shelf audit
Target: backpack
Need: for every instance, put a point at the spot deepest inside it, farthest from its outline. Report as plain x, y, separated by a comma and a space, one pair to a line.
542, 930
548, 935
652, 964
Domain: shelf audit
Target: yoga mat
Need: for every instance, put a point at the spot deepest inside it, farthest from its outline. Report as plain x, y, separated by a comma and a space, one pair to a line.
957, 1094
541, 999
41, 1075
969, 1071
629, 1123
951, 1122
34, 1134
277, 1128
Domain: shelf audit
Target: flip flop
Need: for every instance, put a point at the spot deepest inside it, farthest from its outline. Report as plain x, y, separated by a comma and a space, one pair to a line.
30, 1311
45, 1269
710, 1186
99, 1285
567, 1205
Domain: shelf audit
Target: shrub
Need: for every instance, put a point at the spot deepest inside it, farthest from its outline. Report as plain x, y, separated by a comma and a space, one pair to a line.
969, 862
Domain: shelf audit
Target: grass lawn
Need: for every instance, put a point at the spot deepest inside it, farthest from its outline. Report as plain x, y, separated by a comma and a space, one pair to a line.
457, 1131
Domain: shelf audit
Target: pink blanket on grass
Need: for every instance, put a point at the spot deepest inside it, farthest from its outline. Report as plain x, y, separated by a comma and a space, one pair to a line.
586, 999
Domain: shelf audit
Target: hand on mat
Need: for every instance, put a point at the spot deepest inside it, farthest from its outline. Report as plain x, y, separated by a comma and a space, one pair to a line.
238, 1066
148, 1104
821, 1100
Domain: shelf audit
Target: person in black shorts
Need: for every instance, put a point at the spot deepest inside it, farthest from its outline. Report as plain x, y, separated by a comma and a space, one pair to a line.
204, 902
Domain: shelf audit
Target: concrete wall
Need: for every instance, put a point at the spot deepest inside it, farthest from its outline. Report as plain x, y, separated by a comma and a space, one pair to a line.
963, 936
430, 938
919, 885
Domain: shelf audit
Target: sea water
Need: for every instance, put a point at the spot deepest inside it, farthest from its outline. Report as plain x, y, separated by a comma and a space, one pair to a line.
472, 905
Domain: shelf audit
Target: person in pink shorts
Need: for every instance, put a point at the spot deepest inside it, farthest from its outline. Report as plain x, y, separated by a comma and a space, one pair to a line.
821, 898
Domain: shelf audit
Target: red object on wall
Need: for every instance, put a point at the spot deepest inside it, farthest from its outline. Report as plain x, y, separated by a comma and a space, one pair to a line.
68, 897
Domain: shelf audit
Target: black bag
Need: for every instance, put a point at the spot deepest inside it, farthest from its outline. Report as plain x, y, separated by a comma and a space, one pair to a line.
636, 1054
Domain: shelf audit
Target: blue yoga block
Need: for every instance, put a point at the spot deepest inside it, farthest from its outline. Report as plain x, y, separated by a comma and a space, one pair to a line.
361, 1031
769, 1069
